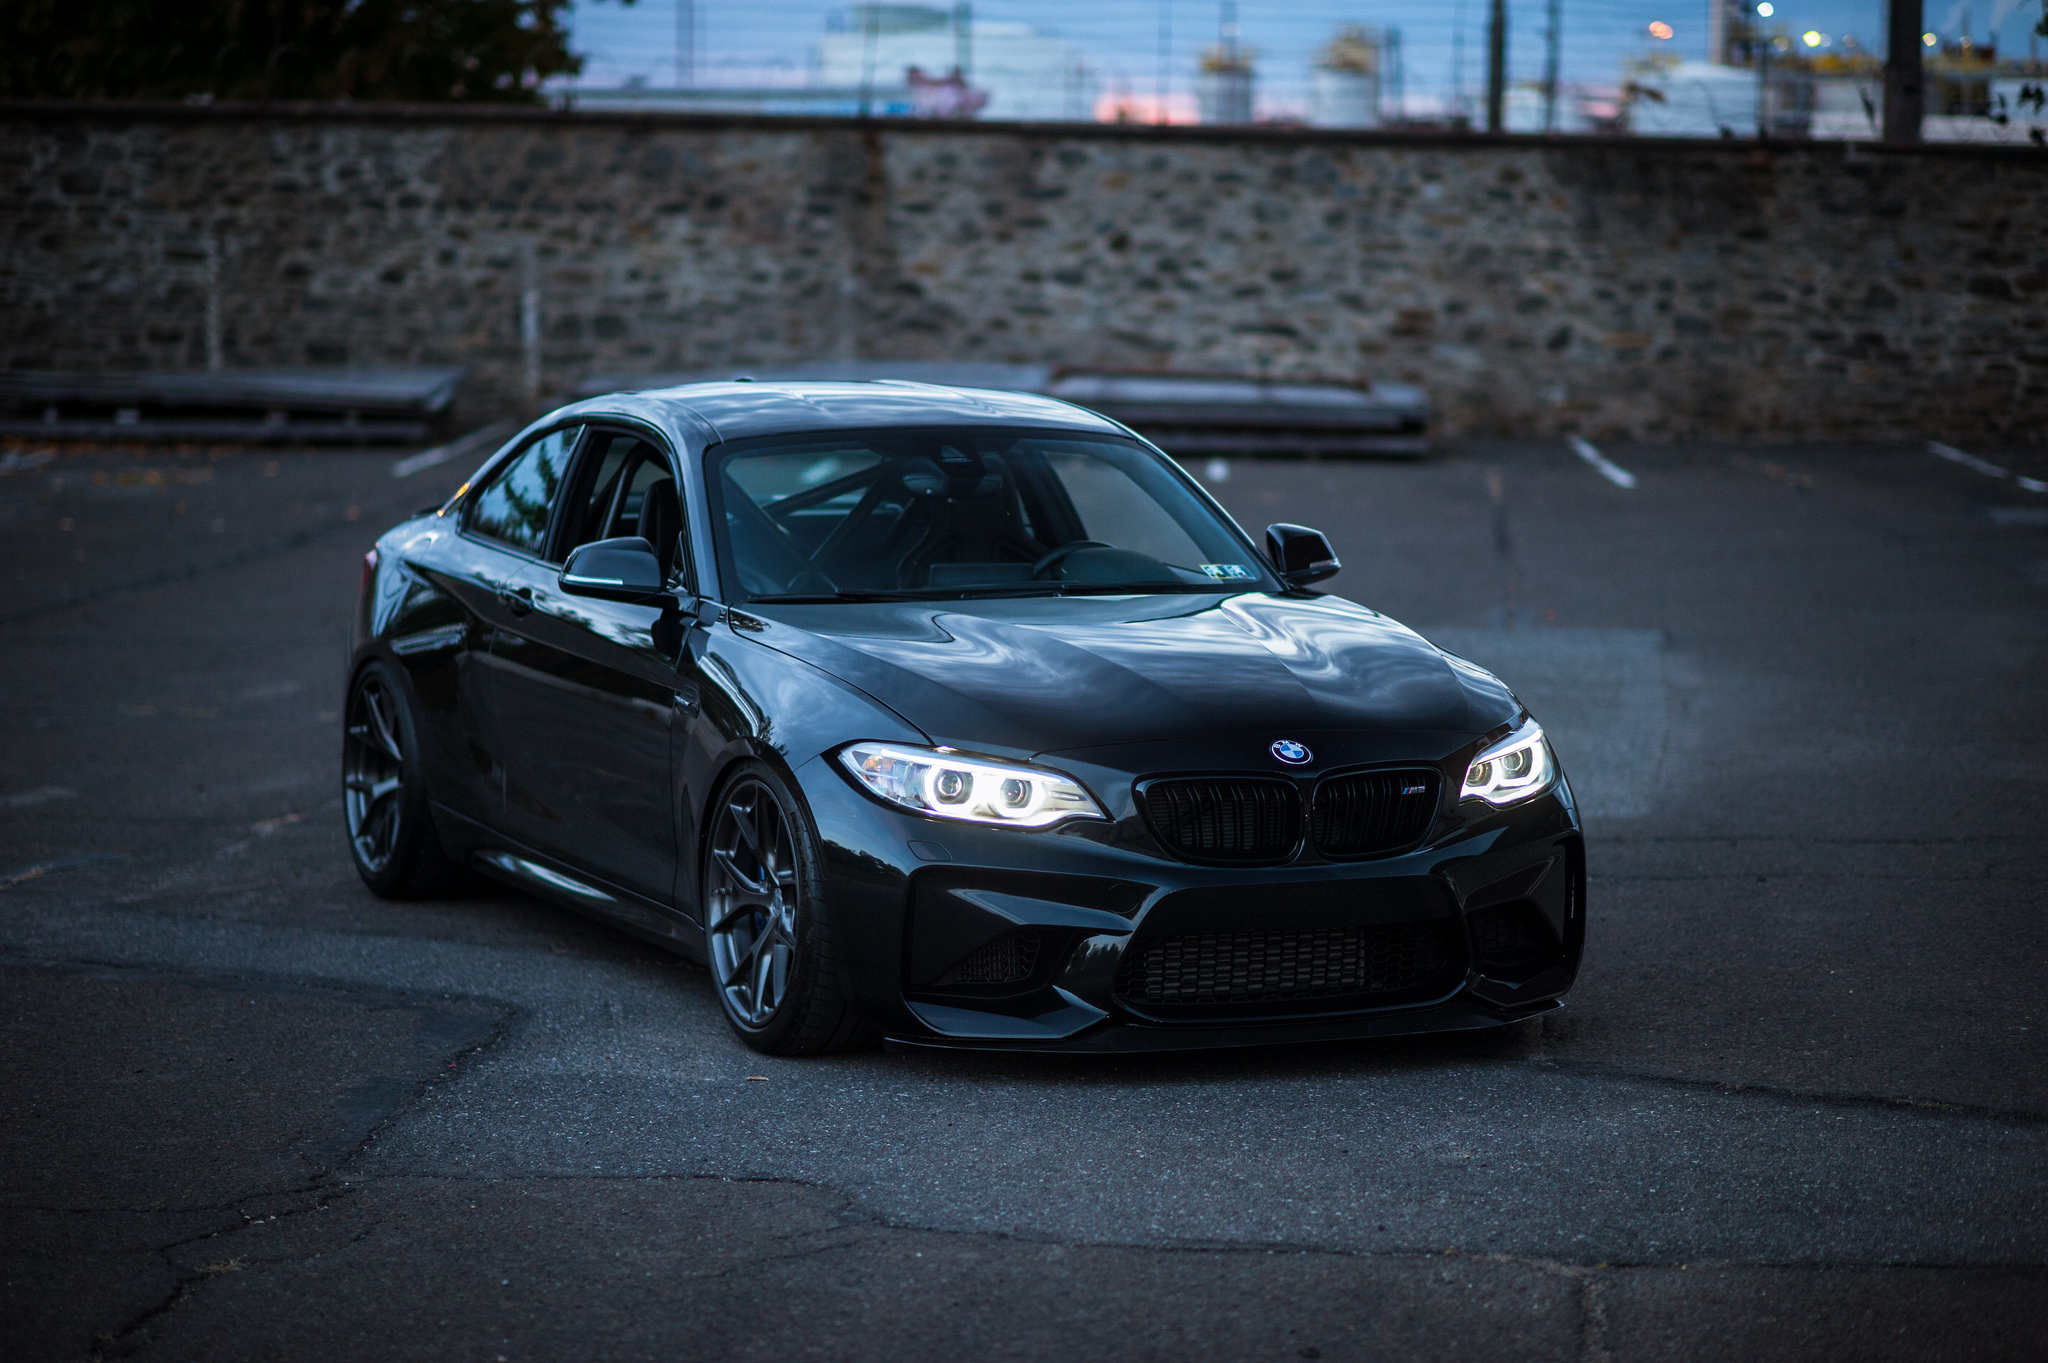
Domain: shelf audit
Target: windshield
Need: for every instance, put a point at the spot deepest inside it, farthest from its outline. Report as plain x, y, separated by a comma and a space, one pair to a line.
949, 513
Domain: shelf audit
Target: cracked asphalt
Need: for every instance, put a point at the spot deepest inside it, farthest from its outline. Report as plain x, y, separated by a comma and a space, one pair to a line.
1797, 1106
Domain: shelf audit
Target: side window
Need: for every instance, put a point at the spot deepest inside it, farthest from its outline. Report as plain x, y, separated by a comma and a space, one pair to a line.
606, 458
631, 490
514, 507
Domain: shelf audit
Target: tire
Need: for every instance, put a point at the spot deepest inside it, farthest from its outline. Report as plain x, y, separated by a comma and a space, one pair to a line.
391, 836
767, 926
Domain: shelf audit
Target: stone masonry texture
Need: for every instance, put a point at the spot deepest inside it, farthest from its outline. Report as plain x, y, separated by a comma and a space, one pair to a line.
1656, 290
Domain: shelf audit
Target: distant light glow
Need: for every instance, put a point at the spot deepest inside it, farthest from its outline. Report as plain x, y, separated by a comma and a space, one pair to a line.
1929, 39
1812, 39
1767, 9
1660, 30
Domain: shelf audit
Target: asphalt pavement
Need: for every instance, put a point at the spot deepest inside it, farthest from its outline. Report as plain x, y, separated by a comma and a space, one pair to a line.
1797, 1106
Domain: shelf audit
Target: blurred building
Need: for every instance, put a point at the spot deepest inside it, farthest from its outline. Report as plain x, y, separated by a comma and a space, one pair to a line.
1025, 74
1344, 81
1666, 97
1848, 95
1579, 109
1223, 84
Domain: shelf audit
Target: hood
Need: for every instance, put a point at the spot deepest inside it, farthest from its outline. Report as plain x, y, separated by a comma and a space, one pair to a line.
1053, 674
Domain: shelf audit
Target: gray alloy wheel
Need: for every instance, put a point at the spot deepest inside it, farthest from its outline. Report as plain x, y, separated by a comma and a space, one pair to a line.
751, 903
391, 835
373, 775
767, 923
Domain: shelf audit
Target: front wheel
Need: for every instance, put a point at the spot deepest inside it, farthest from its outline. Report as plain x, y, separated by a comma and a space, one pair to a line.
768, 933
391, 835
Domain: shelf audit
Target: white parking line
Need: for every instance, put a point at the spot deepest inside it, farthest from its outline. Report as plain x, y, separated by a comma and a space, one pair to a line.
454, 449
1611, 471
1983, 466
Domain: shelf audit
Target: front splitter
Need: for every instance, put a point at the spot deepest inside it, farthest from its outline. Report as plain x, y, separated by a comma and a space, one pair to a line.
1124, 1037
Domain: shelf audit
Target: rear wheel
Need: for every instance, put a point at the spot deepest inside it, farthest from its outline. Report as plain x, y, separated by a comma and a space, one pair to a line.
383, 794
768, 932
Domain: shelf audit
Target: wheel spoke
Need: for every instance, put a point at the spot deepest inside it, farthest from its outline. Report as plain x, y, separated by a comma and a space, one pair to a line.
379, 825
757, 888
743, 822
380, 723
739, 910
764, 962
740, 961
375, 790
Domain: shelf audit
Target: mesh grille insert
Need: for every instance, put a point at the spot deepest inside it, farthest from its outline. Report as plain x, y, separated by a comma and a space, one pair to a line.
1278, 967
1241, 819
1373, 812
1009, 959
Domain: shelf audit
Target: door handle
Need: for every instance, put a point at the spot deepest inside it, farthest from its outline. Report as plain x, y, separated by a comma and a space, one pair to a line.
517, 600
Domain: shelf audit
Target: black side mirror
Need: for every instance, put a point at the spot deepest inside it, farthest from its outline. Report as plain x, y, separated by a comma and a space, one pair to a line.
622, 569
1302, 555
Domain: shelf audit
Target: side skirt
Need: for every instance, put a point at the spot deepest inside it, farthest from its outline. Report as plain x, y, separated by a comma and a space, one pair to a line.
505, 861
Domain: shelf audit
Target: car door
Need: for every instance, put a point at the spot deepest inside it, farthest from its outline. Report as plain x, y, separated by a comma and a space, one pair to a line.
587, 694
451, 608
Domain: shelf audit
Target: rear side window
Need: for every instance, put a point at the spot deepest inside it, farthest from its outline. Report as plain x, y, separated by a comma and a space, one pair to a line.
514, 508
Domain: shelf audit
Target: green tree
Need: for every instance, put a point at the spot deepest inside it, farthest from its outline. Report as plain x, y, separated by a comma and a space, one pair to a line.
496, 51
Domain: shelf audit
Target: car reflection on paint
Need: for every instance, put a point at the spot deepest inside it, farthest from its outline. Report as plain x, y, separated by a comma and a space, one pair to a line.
957, 717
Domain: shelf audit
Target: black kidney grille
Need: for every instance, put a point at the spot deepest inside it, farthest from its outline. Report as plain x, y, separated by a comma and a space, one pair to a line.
1371, 812
1009, 959
1276, 967
1242, 819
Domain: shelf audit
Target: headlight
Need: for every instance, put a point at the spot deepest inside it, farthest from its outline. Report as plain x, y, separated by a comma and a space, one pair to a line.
1516, 768
944, 784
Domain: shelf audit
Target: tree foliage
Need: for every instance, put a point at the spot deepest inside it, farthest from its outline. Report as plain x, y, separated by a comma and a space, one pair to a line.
428, 50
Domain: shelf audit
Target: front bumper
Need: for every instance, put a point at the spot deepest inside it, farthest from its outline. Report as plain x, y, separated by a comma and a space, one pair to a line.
1089, 939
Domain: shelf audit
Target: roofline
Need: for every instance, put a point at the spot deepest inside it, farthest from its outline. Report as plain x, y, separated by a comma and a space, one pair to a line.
675, 404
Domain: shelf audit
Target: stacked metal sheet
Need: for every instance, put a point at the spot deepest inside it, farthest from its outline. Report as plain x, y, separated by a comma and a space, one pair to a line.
332, 406
1185, 415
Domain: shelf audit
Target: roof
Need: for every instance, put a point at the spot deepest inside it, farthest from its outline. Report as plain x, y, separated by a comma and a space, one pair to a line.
738, 410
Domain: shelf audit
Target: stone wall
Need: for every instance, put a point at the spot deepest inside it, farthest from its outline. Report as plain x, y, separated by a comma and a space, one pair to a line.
1656, 289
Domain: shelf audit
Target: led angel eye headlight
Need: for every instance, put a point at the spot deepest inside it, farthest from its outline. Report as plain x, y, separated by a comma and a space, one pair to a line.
1517, 768
950, 785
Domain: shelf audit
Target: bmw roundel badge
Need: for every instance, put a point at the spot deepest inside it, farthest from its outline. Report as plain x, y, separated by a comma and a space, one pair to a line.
1292, 753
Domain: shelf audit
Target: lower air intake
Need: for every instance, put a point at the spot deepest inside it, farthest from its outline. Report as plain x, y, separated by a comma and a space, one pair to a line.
1009, 959
1325, 966
1512, 939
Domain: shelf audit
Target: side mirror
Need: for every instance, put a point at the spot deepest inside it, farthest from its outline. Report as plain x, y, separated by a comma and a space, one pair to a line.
1302, 555
623, 569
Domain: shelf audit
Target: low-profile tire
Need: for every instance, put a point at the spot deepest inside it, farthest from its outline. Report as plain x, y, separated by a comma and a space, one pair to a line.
768, 931
391, 836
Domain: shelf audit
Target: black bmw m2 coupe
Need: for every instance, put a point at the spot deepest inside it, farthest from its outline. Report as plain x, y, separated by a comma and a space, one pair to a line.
960, 718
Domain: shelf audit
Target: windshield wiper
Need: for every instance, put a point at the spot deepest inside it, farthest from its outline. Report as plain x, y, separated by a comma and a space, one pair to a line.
992, 592
814, 598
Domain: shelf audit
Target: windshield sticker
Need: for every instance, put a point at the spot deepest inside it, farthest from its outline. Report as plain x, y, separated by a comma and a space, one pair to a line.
1228, 572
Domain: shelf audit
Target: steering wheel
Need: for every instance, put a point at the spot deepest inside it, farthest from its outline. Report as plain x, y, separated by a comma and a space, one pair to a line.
1058, 556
